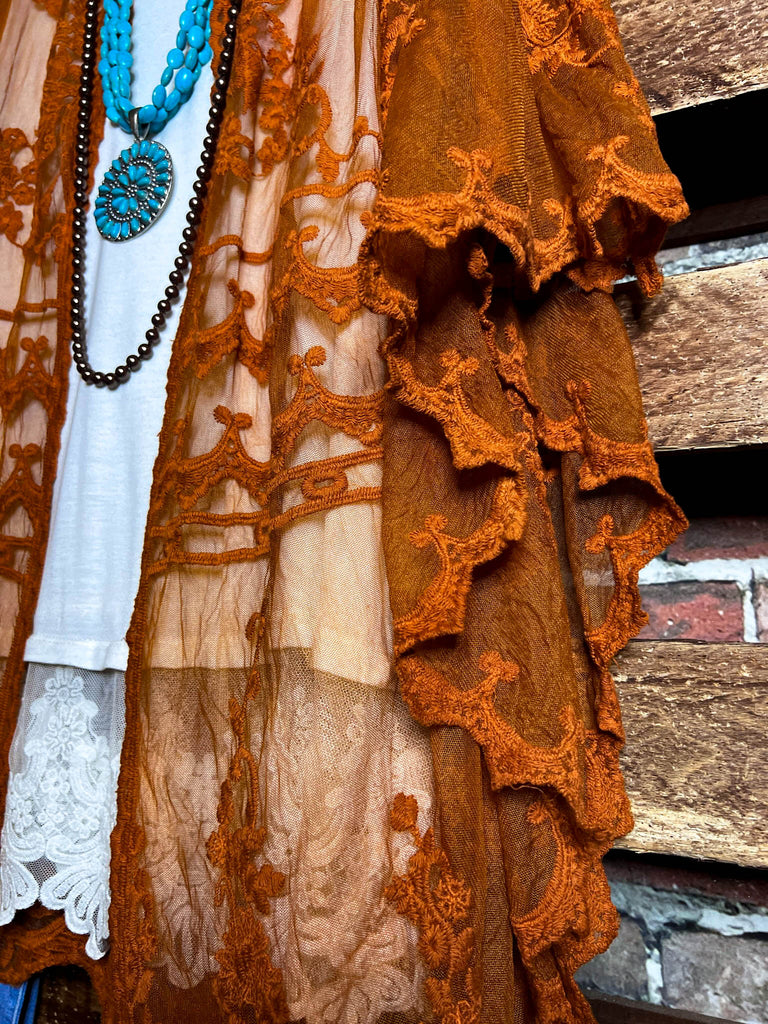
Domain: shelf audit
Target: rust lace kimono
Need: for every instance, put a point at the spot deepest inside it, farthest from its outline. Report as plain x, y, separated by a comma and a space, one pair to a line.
402, 496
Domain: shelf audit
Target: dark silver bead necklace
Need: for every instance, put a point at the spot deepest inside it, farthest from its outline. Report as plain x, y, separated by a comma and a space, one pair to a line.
132, 362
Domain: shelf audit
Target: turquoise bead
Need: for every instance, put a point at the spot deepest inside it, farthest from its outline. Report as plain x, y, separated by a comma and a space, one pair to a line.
196, 37
184, 80
186, 59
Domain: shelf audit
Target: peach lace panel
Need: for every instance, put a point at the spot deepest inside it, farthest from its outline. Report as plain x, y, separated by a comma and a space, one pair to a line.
263, 587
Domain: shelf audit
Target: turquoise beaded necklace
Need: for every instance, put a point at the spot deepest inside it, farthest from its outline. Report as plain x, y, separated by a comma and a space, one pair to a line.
137, 186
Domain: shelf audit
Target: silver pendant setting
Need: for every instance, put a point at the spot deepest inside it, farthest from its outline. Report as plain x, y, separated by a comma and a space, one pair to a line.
135, 191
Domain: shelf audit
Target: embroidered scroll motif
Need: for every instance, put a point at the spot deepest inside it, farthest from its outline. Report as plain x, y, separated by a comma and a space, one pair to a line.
442, 606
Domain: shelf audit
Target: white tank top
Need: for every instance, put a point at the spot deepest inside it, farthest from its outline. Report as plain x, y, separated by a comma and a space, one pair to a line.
110, 438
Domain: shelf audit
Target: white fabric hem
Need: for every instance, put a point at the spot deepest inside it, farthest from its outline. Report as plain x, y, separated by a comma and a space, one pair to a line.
94, 655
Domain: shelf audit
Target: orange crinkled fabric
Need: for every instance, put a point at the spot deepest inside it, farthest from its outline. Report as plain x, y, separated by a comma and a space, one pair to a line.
403, 493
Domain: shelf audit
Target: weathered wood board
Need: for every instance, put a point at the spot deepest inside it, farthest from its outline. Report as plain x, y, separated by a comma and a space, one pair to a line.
701, 348
686, 52
696, 717
723, 220
615, 1010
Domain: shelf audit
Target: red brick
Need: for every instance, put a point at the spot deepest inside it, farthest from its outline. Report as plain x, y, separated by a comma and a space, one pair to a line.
761, 611
693, 611
728, 537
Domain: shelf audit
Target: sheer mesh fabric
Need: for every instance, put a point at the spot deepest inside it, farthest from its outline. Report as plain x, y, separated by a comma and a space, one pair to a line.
403, 493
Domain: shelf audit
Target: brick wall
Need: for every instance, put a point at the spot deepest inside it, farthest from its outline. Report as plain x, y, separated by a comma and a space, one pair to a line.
711, 584
694, 935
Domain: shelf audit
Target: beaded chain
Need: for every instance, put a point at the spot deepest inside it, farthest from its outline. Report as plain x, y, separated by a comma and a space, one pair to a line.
122, 373
186, 60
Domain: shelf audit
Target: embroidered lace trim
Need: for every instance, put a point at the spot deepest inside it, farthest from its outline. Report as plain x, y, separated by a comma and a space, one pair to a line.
61, 802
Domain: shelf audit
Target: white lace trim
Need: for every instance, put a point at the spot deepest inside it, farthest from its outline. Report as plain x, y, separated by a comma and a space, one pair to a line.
61, 803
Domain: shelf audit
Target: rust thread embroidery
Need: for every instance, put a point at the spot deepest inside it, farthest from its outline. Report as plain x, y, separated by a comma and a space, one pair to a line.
248, 983
441, 608
603, 460
17, 183
473, 441
435, 899
400, 23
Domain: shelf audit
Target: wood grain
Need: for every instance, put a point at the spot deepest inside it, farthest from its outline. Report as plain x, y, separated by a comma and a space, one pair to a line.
615, 1010
700, 349
696, 717
721, 221
686, 52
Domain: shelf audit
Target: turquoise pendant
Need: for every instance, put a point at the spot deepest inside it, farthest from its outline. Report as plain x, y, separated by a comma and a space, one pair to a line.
135, 191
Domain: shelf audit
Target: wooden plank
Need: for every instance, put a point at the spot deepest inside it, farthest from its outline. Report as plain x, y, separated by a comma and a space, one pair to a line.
686, 52
696, 716
616, 1010
723, 220
700, 351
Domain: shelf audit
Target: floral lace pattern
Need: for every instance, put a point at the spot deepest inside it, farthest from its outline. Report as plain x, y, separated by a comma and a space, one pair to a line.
61, 802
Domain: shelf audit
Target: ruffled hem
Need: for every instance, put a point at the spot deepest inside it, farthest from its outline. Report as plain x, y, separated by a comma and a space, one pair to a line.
600, 202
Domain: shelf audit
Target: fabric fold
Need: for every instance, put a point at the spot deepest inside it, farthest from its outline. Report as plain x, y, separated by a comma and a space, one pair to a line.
521, 496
